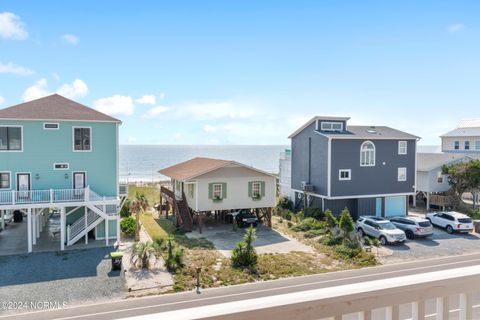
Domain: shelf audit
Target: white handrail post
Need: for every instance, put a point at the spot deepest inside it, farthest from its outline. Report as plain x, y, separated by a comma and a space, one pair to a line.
69, 231
86, 225
51, 195
87, 193
13, 197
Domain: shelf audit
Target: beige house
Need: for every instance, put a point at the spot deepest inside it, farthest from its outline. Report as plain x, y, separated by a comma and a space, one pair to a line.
205, 185
465, 138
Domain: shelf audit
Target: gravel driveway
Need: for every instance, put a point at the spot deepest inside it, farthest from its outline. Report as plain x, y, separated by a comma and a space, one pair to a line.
439, 245
73, 277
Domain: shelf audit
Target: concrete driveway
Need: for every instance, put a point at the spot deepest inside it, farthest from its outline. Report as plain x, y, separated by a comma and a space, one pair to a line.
224, 238
439, 245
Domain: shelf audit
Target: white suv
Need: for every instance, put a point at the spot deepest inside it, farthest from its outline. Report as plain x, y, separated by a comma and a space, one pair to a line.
381, 229
452, 221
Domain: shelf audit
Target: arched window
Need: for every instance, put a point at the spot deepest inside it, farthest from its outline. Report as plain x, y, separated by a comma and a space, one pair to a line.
367, 154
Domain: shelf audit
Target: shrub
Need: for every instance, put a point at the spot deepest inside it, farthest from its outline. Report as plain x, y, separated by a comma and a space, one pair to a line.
314, 233
313, 212
346, 223
289, 224
348, 250
367, 241
473, 213
332, 241
308, 224
375, 242
142, 254
287, 215
128, 226
330, 219
125, 212
244, 255
174, 256
285, 203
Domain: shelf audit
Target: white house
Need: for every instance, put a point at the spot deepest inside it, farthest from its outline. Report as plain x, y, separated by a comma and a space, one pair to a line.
285, 175
465, 138
213, 185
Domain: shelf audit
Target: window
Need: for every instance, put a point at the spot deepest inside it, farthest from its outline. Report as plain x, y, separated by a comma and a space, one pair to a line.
367, 154
402, 147
4, 180
11, 139
467, 145
402, 174
51, 126
190, 189
61, 166
217, 191
456, 145
344, 174
477, 145
82, 139
256, 189
331, 126
440, 177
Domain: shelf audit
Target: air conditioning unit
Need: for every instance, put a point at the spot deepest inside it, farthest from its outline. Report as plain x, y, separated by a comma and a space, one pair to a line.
306, 187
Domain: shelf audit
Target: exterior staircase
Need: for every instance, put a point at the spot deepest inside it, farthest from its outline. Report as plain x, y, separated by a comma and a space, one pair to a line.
180, 209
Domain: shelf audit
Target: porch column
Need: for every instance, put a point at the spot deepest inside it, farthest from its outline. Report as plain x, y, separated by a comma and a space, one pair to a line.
200, 226
106, 232
34, 227
40, 220
37, 223
62, 228
415, 200
269, 217
428, 201
2, 212
86, 225
118, 230
29, 229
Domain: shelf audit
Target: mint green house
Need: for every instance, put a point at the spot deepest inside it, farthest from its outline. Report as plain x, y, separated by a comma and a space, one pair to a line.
57, 153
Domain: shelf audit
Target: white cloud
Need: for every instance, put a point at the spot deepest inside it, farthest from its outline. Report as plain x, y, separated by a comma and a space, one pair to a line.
456, 27
209, 128
161, 95
75, 90
2, 99
147, 99
70, 38
115, 105
214, 110
38, 90
14, 69
12, 27
155, 112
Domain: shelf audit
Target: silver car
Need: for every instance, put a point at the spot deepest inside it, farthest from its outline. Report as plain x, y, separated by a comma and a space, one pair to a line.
413, 226
379, 228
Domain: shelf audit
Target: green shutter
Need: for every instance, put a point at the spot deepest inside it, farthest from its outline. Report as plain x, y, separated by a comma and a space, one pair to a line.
224, 190
210, 191
262, 188
250, 189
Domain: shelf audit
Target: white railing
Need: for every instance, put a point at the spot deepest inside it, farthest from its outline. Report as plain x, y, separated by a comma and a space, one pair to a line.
79, 225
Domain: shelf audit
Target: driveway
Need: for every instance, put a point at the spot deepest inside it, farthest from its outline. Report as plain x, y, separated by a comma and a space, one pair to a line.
224, 238
441, 244
69, 277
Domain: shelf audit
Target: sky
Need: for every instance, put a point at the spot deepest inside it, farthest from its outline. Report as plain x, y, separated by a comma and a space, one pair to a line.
246, 72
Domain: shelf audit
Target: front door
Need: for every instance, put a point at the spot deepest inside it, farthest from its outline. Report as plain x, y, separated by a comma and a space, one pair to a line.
79, 183
23, 185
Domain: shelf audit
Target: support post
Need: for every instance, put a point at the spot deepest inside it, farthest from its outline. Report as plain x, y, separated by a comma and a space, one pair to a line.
106, 232
118, 229
428, 201
418, 310
200, 226
62, 228
29, 230
37, 223
466, 306
269, 217
414, 204
2, 212
34, 227
86, 224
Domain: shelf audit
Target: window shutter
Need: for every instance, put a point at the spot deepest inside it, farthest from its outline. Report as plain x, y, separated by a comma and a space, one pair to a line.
224, 190
250, 189
262, 187
210, 191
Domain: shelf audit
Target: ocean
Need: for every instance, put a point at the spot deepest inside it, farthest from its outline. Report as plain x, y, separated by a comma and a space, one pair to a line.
141, 163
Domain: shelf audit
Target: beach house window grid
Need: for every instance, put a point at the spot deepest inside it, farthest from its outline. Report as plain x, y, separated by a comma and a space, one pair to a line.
402, 174
367, 154
331, 126
256, 189
10, 138
344, 174
4, 180
477, 145
402, 147
82, 139
467, 145
217, 191
456, 145
190, 190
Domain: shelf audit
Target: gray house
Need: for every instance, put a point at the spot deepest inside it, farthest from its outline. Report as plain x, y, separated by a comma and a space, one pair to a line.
368, 169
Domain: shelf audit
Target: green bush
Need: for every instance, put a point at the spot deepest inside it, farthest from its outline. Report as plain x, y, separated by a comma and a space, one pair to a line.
128, 226
367, 241
314, 233
330, 219
174, 258
244, 255
125, 211
346, 223
285, 203
332, 241
313, 212
288, 215
348, 250
375, 242
289, 224
474, 214
308, 224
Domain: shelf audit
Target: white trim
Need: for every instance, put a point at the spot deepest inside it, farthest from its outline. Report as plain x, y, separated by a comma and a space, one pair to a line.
61, 163
399, 170
345, 170
213, 190
117, 161
73, 138
400, 147
9, 182
60, 120
196, 196
55, 123
312, 194
374, 154
259, 183
16, 182
22, 140
331, 123
84, 177
358, 196
329, 167
312, 120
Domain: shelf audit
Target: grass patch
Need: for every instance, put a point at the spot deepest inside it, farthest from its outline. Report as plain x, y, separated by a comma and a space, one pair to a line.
152, 227
151, 193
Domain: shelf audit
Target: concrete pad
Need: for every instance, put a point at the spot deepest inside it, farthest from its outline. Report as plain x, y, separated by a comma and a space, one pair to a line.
224, 238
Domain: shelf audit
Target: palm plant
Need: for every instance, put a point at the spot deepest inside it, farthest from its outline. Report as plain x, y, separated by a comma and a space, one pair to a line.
142, 254
137, 205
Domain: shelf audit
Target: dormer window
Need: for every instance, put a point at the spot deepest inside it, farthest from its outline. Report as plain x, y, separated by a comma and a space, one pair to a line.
331, 126
367, 154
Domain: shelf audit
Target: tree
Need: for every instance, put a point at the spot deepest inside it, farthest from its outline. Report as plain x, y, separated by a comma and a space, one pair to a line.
137, 205
463, 177
346, 223
244, 255
142, 253
330, 219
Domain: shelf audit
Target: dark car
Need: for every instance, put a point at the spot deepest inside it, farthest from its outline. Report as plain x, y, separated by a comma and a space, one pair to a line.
242, 218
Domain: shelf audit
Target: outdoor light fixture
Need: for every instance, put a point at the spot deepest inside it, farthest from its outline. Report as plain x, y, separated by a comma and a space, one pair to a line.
66, 176
37, 176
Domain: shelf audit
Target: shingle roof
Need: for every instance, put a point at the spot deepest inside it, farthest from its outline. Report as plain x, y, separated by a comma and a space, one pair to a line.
309, 122
370, 132
463, 132
198, 166
430, 161
54, 107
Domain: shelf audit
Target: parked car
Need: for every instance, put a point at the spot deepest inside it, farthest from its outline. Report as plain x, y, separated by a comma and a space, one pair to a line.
413, 226
379, 228
452, 221
242, 218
